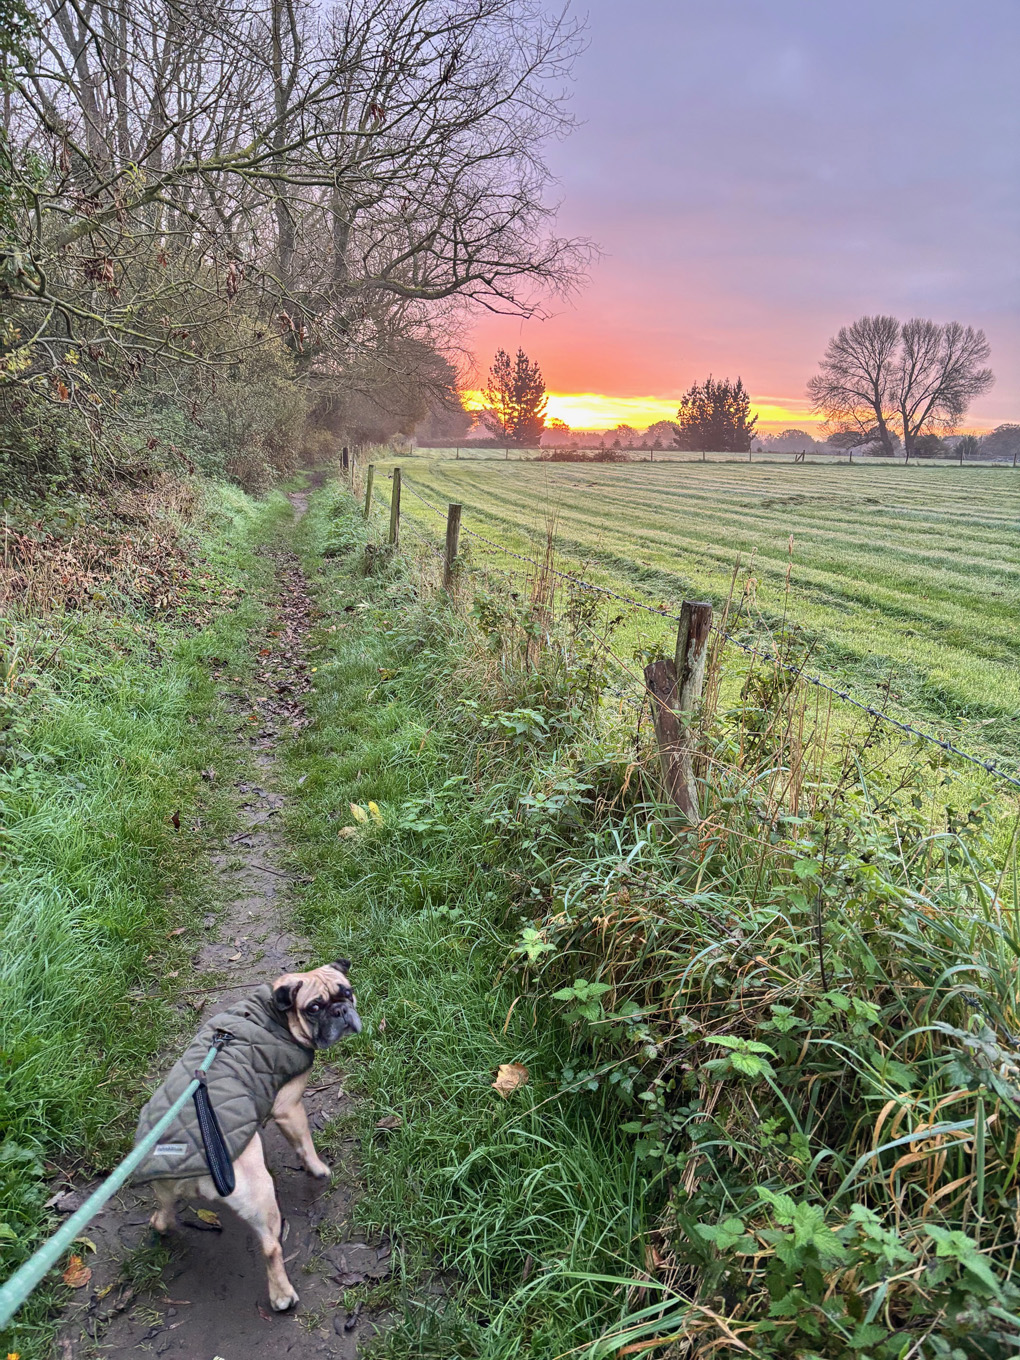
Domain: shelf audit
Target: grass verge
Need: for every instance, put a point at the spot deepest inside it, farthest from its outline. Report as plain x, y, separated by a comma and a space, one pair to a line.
771, 1101
114, 754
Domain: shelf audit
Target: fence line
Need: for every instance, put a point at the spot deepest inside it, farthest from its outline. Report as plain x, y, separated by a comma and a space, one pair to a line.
989, 766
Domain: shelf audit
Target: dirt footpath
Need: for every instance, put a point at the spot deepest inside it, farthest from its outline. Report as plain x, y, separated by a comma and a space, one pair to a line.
210, 1300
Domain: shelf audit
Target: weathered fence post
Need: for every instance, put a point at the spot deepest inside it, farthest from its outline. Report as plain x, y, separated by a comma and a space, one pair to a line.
369, 480
395, 507
452, 538
675, 688
345, 458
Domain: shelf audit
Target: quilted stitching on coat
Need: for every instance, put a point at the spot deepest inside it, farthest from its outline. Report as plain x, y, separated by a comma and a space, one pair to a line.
244, 1080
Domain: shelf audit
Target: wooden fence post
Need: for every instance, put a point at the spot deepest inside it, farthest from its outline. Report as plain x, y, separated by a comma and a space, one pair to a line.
369, 480
345, 458
395, 507
452, 538
675, 688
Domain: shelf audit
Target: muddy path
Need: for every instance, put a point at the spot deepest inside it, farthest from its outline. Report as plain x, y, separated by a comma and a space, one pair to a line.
210, 1298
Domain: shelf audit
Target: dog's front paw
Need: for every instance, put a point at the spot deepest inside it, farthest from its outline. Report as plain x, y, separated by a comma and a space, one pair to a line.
320, 1170
283, 1301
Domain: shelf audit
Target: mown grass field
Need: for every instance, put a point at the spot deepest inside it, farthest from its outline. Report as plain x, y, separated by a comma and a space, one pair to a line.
911, 573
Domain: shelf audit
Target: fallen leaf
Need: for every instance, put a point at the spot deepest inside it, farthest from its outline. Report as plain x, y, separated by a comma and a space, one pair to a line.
382, 1024
509, 1077
207, 1216
102, 1293
88, 1243
175, 821
358, 813
77, 1274
389, 1121
179, 931
376, 814
347, 832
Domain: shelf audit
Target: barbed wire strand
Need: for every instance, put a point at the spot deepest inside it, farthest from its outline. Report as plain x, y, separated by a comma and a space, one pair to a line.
989, 766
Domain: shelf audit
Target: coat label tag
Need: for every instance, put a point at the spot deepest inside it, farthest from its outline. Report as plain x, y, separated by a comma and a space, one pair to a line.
170, 1149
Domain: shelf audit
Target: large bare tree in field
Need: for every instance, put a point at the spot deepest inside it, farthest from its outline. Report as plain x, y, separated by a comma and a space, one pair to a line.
324, 170
940, 372
921, 374
855, 386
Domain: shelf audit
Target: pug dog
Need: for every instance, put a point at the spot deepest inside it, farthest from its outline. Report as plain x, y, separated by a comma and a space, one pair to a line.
259, 1073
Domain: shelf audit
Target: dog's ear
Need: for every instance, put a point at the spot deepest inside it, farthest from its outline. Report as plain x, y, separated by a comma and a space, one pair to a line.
284, 992
344, 965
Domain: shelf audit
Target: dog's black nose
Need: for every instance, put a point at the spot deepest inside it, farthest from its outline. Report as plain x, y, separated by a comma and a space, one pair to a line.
353, 1019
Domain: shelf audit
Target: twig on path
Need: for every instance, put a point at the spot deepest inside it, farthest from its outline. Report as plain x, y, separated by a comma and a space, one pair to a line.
280, 873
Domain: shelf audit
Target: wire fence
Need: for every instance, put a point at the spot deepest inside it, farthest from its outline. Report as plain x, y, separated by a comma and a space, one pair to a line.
753, 650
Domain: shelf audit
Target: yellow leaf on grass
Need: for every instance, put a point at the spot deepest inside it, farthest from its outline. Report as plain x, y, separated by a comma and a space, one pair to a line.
509, 1077
376, 814
207, 1216
86, 1242
77, 1274
358, 813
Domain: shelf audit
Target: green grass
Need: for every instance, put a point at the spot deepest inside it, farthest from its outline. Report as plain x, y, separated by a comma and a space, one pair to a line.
910, 573
107, 719
507, 1197
770, 1088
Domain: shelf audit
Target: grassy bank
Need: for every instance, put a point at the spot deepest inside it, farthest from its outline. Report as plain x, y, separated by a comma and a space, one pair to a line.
771, 1099
114, 750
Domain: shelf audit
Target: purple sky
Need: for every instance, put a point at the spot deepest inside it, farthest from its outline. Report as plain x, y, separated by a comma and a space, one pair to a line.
759, 173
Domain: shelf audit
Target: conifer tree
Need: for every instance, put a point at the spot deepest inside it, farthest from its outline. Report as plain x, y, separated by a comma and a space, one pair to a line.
716, 416
515, 399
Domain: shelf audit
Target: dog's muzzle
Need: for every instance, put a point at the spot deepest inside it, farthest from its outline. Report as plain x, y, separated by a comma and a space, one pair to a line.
340, 1019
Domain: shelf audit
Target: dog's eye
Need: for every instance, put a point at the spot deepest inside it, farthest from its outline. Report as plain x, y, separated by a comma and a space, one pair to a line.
314, 1008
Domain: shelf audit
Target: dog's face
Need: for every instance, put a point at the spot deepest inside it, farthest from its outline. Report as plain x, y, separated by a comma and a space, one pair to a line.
320, 1005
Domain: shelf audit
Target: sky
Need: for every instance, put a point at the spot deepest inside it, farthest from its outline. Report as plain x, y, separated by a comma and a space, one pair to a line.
758, 173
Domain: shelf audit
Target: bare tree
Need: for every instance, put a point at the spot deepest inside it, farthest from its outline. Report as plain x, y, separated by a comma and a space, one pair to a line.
939, 373
855, 386
335, 168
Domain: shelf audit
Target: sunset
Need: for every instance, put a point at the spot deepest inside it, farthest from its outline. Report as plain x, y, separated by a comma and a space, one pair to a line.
757, 176
510, 679
596, 411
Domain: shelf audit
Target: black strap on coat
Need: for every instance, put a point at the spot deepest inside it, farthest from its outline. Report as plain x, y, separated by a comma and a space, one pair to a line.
217, 1156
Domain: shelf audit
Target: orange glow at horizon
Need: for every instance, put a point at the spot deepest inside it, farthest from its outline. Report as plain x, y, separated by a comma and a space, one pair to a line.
600, 411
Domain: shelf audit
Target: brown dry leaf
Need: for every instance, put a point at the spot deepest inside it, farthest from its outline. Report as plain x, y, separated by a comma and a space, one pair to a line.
389, 1121
179, 931
77, 1274
207, 1216
175, 821
509, 1077
347, 832
382, 1024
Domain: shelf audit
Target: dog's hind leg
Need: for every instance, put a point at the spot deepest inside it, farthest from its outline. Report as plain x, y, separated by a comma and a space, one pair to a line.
292, 1117
254, 1201
164, 1220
